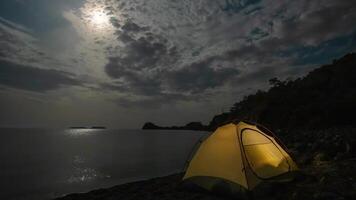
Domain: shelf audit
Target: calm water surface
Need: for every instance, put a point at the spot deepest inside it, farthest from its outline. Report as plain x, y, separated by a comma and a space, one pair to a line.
43, 164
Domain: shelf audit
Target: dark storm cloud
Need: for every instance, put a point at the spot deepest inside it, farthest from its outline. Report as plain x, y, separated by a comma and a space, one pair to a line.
33, 79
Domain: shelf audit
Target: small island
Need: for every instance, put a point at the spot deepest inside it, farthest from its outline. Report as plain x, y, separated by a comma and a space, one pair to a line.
195, 126
98, 127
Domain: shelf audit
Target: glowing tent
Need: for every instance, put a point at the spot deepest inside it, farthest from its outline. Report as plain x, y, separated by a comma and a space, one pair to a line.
237, 158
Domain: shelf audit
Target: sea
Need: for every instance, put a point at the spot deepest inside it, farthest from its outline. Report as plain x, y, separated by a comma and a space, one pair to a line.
44, 164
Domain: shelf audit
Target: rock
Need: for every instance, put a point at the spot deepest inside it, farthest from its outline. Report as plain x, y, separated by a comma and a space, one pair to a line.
319, 158
322, 179
327, 195
338, 156
195, 126
150, 125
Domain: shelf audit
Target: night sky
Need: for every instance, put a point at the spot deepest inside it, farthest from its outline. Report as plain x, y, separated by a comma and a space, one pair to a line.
120, 63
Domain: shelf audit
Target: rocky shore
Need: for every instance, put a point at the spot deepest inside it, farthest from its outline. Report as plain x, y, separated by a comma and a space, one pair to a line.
327, 159
195, 126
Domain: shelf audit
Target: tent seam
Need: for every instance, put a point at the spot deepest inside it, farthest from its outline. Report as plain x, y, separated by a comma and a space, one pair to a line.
242, 156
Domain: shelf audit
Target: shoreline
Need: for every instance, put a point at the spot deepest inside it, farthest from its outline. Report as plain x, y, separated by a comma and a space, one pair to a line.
326, 159
165, 187
320, 180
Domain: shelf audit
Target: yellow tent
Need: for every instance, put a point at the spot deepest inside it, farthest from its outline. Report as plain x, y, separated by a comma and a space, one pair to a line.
238, 157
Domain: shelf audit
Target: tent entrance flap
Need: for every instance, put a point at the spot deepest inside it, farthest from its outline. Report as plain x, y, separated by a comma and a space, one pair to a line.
263, 156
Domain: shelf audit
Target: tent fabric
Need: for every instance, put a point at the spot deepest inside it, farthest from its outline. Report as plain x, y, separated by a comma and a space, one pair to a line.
239, 156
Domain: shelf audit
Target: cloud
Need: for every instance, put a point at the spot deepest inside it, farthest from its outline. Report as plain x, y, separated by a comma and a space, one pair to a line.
15, 26
16, 43
135, 83
20, 45
132, 27
200, 76
148, 67
142, 50
327, 22
184, 54
140, 54
154, 102
238, 5
139, 64
214, 46
33, 79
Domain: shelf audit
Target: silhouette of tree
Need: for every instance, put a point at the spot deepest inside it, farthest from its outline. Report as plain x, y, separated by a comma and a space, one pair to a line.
326, 97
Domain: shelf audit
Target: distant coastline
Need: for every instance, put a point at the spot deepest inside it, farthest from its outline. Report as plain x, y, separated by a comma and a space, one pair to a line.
195, 126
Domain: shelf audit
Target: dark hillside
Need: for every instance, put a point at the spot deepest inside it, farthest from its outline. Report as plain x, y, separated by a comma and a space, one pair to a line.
325, 98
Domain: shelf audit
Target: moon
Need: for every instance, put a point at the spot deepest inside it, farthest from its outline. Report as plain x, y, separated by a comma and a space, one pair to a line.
95, 20
99, 18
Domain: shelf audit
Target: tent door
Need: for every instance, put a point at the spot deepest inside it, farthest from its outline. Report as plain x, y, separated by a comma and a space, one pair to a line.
263, 156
